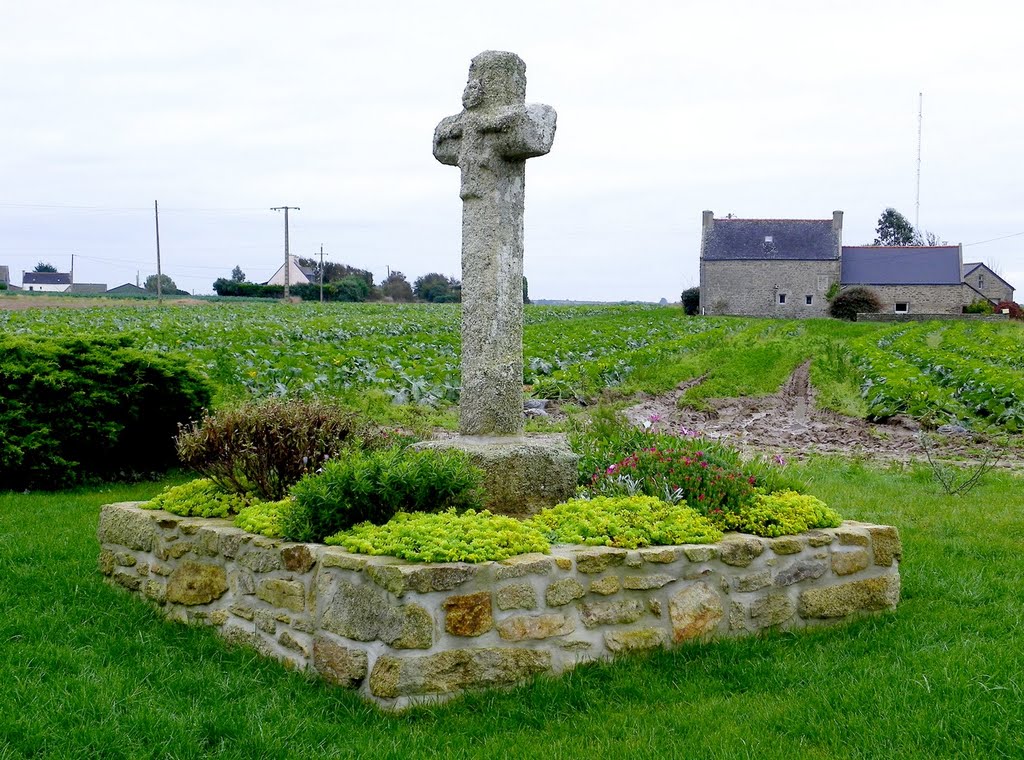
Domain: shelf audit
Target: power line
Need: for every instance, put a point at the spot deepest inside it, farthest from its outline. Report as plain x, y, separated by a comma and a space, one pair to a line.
992, 240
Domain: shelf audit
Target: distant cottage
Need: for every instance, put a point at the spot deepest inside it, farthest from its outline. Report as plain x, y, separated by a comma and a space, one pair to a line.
786, 267
46, 282
297, 274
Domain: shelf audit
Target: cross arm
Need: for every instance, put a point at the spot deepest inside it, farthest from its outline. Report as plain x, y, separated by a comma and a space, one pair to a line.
529, 131
447, 137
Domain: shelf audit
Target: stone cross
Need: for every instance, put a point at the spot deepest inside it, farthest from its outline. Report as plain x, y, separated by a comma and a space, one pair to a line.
490, 142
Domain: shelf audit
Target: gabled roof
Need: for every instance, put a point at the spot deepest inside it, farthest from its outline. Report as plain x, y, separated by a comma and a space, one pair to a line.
970, 267
308, 271
46, 278
128, 289
903, 265
88, 287
799, 239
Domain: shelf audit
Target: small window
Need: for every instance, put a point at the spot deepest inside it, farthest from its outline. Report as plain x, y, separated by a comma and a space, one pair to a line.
782, 298
981, 281
769, 239
808, 300
902, 308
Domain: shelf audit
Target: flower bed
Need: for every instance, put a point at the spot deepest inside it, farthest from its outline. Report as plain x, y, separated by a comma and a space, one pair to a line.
401, 632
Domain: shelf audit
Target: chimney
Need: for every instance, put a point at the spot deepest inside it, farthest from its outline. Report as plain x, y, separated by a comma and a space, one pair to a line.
837, 221
708, 220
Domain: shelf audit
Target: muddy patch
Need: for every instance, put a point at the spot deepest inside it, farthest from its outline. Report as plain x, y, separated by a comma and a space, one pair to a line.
789, 423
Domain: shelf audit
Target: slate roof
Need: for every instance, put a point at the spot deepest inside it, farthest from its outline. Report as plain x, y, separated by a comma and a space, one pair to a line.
791, 239
128, 289
46, 278
309, 272
906, 265
88, 287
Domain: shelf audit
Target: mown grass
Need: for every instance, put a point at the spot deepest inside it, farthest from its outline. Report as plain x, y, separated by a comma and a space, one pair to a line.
89, 671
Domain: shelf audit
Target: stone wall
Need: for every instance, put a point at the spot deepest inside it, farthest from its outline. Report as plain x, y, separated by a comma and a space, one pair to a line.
888, 317
923, 299
994, 287
752, 288
402, 632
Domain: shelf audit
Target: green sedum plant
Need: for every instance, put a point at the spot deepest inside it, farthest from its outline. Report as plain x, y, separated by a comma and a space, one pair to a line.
448, 536
375, 485
628, 522
198, 498
781, 513
265, 518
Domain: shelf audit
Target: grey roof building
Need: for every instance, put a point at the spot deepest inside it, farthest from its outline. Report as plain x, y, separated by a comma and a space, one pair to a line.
87, 288
772, 239
903, 265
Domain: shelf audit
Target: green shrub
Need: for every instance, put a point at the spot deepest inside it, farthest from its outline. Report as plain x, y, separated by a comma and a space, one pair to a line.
265, 518
198, 498
265, 447
690, 300
446, 537
979, 306
72, 408
848, 304
373, 486
781, 513
627, 522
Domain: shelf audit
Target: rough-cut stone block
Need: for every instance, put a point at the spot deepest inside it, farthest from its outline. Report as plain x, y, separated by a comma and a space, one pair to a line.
522, 627
754, 581
740, 551
232, 540
599, 559
661, 555
297, 558
800, 570
281, 593
468, 614
106, 562
454, 670
155, 590
642, 638
654, 605
332, 556
738, 617
196, 583
786, 545
868, 595
524, 564
129, 580
646, 582
265, 621
239, 636
260, 560
816, 538
364, 612
694, 611
774, 609
633, 559
852, 536
522, 474
563, 591
614, 612
605, 586
219, 617
700, 553
516, 596
339, 664
885, 541
563, 563
421, 578
242, 611
290, 642
128, 526
850, 561
124, 559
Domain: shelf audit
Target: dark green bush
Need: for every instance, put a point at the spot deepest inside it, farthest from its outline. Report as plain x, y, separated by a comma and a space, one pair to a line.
373, 486
979, 306
848, 304
350, 288
690, 300
265, 447
76, 408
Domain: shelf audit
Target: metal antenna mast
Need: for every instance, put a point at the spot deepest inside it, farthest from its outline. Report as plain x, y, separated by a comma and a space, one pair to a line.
287, 259
917, 202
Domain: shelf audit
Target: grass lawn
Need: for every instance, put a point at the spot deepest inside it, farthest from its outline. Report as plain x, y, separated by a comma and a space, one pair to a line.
88, 671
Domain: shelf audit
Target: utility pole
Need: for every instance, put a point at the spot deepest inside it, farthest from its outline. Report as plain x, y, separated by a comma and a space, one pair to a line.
321, 273
917, 202
287, 259
159, 272
72, 269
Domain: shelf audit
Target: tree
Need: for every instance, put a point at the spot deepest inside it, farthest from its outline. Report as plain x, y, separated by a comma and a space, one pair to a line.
850, 303
333, 272
690, 299
437, 288
166, 284
895, 229
396, 287
43, 266
237, 275
526, 291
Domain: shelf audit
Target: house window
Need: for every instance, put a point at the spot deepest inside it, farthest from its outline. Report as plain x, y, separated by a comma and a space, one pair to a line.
808, 300
902, 308
769, 239
981, 281
782, 298
823, 283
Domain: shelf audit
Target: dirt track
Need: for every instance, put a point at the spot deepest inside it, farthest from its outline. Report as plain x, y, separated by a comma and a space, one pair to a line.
789, 423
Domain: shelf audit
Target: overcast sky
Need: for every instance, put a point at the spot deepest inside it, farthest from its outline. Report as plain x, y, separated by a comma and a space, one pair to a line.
222, 109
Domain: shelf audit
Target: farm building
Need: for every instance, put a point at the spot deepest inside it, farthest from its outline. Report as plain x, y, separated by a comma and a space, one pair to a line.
87, 288
5, 276
297, 275
786, 267
46, 282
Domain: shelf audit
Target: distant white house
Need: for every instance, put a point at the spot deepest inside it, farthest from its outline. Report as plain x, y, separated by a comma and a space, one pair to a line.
46, 282
297, 275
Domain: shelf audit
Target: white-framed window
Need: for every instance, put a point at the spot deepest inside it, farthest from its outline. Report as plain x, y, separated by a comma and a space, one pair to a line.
809, 300
769, 239
902, 307
782, 298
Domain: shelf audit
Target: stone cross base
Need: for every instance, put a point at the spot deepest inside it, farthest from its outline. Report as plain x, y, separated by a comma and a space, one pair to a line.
523, 474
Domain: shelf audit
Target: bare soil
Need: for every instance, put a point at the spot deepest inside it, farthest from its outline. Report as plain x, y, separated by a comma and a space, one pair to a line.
790, 424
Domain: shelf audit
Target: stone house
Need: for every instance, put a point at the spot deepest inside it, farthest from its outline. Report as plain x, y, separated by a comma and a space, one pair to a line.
5, 276
785, 268
297, 275
46, 282
987, 282
769, 267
